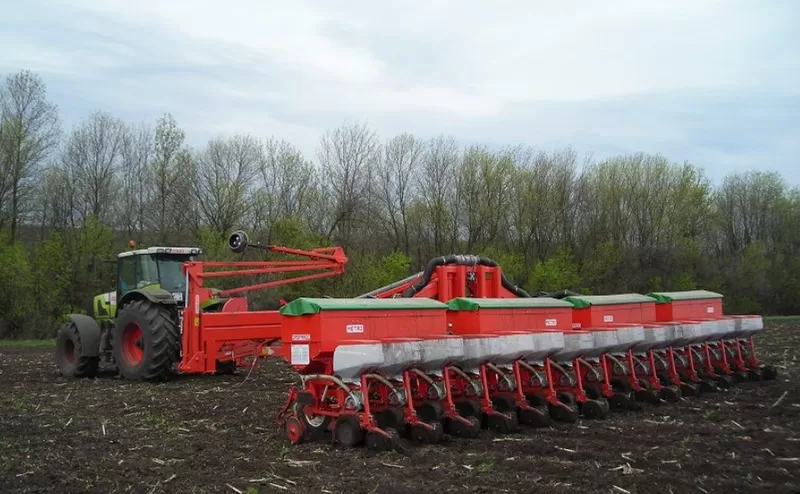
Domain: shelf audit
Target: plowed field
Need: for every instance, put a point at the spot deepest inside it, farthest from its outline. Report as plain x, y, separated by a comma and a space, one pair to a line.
217, 435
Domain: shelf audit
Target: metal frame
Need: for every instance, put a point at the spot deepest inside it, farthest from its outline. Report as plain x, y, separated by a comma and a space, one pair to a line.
232, 334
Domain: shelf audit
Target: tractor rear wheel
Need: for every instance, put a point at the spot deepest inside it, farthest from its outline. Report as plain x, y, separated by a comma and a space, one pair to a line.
70, 353
146, 341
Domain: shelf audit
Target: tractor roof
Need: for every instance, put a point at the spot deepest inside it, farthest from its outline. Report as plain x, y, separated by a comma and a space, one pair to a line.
182, 251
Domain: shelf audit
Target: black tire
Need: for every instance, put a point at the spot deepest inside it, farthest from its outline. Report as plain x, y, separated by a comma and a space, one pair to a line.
504, 425
348, 431
769, 373
469, 408
315, 425
391, 418
724, 381
670, 393
159, 342
430, 411
504, 404
593, 391
70, 354
689, 389
534, 417
536, 400
594, 409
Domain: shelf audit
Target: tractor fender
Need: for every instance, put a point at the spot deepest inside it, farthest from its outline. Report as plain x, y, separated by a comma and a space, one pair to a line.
154, 295
89, 331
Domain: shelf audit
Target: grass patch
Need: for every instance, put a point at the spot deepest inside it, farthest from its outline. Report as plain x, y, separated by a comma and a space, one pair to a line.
26, 343
782, 318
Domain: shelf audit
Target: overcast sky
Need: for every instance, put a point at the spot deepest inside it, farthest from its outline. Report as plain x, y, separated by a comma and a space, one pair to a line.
715, 83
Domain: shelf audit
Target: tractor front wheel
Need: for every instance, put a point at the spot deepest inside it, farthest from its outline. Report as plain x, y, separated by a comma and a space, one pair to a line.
146, 341
70, 356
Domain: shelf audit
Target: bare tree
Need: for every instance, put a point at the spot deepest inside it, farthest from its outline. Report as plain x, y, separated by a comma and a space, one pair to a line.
436, 179
56, 199
93, 156
287, 181
166, 177
346, 156
137, 151
30, 132
225, 173
395, 186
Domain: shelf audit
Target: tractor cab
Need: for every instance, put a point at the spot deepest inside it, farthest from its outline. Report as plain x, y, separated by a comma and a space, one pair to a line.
148, 269
153, 268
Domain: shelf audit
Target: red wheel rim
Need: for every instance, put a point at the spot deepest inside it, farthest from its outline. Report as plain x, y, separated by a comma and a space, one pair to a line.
294, 429
69, 351
132, 343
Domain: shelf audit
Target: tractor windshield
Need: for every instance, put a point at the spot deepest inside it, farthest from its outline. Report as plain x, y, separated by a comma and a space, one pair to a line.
170, 273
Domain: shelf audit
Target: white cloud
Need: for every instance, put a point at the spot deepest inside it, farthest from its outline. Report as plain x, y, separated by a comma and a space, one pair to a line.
602, 76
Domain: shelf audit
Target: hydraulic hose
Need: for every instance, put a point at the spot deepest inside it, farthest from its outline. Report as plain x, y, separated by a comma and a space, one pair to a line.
559, 294
388, 287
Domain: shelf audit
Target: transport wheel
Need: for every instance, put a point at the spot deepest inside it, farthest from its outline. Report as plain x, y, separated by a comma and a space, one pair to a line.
391, 418
723, 381
593, 409
295, 430
430, 411
315, 425
69, 354
688, 389
534, 417
769, 373
146, 341
670, 393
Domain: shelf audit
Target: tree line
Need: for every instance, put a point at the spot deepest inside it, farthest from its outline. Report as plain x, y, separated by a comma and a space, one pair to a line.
71, 198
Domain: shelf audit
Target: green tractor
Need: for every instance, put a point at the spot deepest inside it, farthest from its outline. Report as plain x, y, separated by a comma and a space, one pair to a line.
138, 325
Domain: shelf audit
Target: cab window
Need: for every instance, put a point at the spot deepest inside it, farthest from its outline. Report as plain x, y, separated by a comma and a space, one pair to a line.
146, 271
127, 274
